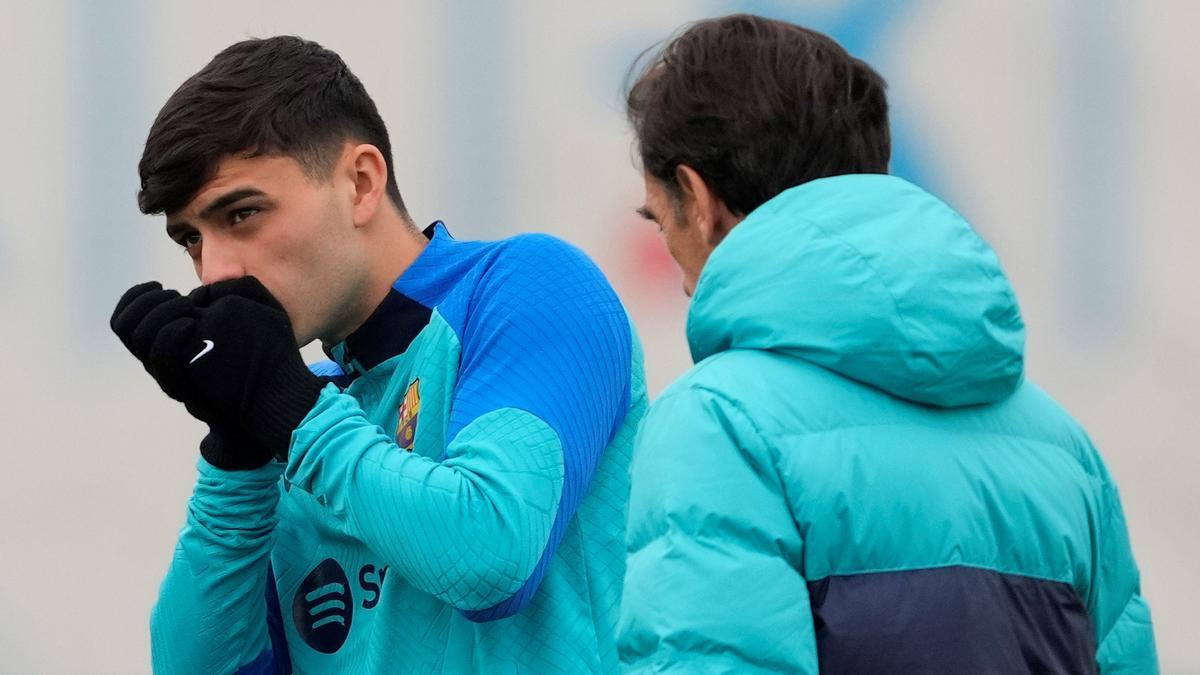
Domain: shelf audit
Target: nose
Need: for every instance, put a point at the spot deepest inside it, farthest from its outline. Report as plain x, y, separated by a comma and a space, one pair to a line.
219, 262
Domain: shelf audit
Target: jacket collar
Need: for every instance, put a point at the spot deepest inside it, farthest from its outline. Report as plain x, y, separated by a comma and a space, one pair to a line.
397, 320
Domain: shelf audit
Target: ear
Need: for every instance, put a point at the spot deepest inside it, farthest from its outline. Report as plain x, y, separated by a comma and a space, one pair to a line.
369, 171
702, 206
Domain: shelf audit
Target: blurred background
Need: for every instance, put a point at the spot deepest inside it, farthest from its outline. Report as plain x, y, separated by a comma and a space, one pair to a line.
1066, 132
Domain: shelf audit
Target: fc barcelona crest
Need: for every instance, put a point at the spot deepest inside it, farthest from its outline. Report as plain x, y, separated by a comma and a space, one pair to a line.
406, 429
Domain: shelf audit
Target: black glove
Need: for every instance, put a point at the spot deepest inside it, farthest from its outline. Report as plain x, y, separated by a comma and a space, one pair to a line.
140, 314
227, 352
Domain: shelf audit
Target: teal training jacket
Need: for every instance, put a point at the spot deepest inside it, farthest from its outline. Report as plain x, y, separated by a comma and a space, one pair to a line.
454, 501
856, 478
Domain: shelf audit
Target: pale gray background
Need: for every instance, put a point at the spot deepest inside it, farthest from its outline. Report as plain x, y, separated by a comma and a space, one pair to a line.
1066, 131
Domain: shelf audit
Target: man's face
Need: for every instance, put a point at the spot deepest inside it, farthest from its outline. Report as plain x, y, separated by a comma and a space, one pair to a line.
684, 240
264, 216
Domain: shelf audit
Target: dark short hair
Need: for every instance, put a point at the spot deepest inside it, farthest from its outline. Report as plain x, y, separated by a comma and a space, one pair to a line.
281, 96
756, 106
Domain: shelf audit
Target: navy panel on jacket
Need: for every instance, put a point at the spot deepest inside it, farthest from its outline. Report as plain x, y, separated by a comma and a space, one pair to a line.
950, 620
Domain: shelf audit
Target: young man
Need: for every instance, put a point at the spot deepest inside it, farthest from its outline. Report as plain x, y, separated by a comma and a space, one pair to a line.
855, 477
449, 495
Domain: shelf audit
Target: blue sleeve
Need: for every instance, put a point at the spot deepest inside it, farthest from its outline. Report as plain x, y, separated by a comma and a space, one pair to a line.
543, 385
546, 335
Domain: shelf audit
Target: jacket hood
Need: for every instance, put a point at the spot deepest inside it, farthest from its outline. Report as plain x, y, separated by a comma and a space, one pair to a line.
873, 278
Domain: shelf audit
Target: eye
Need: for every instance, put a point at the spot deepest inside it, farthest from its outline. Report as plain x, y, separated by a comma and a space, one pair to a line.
189, 241
239, 215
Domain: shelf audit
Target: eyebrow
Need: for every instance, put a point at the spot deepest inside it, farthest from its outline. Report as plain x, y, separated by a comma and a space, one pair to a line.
229, 198
645, 213
178, 228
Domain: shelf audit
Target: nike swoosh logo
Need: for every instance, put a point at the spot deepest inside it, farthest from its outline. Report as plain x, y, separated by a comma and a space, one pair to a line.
208, 347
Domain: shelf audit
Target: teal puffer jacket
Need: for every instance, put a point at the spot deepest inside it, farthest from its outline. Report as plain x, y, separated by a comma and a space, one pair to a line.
855, 477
